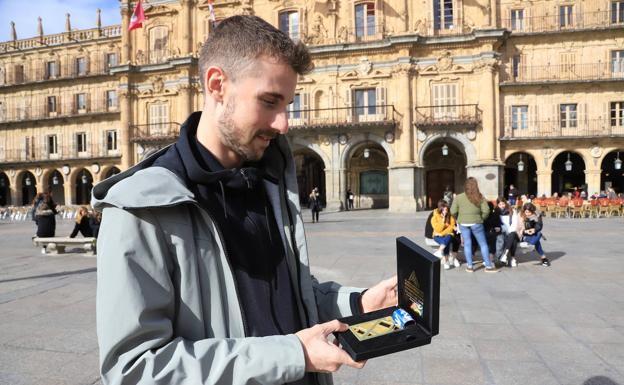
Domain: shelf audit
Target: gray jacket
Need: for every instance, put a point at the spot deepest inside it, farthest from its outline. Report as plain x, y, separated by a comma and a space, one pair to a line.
167, 307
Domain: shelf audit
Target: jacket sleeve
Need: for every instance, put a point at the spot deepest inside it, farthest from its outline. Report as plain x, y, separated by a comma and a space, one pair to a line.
333, 300
455, 207
136, 311
75, 230
485, 209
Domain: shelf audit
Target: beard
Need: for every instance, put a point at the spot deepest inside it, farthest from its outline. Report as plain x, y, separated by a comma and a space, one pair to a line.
232, 135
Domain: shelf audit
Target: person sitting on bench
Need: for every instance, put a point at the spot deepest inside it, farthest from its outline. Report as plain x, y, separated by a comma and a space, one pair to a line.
82, 224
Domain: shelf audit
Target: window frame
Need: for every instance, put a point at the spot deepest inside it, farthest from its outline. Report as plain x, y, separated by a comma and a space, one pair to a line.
513, 13
617, 11
442, 9
291, 29
111, 141
111, 103
52, 144
520, 117
566, 121
51, 102
366, 109
368, 27
81, 66
566, 16
616, 114
81, 142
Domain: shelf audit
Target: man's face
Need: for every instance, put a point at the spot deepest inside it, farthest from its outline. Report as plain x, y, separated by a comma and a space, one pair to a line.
255, 108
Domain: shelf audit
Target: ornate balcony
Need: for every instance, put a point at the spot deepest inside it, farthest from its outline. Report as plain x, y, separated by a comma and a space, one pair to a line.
561, 23
155, 133
42, 154
562, 73
61, 38
345, 117
454, 116
154, 56
67, 110
554, 129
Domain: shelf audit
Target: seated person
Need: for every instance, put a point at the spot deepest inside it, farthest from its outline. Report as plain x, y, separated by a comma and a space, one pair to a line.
82, 224
443, 225
530, 228
493, 232
509, 222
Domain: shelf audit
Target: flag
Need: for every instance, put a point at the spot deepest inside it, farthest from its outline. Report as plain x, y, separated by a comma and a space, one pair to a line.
138, 17
213, 18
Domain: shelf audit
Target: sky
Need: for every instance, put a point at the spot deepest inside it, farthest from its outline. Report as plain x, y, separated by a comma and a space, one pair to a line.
25, 12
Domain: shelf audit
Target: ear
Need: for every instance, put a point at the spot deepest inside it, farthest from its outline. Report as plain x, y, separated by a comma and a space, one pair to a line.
214, 79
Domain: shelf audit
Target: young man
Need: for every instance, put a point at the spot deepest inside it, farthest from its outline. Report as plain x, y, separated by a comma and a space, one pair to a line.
203, 273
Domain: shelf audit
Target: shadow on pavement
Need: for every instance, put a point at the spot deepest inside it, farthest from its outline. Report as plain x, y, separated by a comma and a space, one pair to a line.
600, 380
62, 273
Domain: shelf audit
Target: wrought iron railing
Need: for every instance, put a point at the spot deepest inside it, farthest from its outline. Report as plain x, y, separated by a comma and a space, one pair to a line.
557, 22
554, 128
154, 56
65, 110
445, 116
58, 153
563, 73
155, 132
342, 116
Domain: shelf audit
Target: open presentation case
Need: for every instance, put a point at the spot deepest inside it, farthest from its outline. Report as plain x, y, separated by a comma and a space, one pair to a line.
374, 334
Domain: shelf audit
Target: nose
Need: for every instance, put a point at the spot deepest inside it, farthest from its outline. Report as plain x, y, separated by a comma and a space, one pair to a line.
280, 122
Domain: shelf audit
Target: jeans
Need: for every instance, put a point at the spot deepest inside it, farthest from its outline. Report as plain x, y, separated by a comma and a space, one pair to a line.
446, 241
479, 232
535, 240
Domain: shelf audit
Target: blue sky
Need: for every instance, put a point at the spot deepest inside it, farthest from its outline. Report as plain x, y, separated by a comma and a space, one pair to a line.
25, 12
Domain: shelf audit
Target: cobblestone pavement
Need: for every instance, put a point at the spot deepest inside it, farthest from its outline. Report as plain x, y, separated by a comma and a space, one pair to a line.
527, 325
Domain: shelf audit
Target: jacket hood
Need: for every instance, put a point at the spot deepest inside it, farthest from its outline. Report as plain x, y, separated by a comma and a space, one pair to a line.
148, 185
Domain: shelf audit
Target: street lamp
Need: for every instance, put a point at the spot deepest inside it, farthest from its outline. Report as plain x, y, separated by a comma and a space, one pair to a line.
618, 162
444, 150
520, 164
55, 180
568, 163
366, 153
84, 179
28, 181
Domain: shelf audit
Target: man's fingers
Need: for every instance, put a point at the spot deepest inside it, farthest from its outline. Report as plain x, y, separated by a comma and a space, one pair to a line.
391, 282
333, 326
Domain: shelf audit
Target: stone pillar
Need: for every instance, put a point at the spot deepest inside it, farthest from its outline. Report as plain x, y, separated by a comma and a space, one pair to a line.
404, 107
334, 185
401, 185
490, 178
487, 105
592, 179
69, 190
126, 50
419, 187
127, 149
544, 182
186, 28
186, 102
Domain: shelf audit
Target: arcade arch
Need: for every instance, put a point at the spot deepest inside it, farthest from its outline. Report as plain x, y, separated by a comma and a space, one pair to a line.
367, 174
28, 188
310, 174
82, 180
5, 189
568, 172
445, 165
55, 183
611, 175
521, 171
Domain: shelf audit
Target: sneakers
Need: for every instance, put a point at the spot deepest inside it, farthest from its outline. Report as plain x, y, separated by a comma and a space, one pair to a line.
491, 269
438, 253
470, 269
545, 262
503, 258
514, 263
456, 262
447, 266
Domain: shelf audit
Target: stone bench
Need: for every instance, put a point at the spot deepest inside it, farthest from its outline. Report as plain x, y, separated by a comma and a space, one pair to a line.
57, 245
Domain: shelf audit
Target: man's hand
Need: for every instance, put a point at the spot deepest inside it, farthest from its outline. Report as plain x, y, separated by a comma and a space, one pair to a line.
322, 355
380, 296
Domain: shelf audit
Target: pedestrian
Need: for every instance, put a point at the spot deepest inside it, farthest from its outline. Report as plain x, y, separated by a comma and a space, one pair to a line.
530, 230
447, 195
94, 223
443, 225
512, 195
35, 204
83, 224
470, 209
509, 220
350, 199
493, 232
315, 204
45, 215
202, 268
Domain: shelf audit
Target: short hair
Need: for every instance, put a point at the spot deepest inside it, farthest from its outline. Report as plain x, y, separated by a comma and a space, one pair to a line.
238, 40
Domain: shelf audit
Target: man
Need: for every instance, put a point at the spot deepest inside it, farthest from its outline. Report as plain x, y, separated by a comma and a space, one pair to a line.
512, 195
203, 273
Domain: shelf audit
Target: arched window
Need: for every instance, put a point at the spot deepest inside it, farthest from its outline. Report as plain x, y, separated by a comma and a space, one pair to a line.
159, 44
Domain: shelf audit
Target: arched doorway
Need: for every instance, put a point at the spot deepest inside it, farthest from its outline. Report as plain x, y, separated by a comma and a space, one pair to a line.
29, 188
5, 190
310, 174
84, 184
112, 171
521, 171
568, 172
55, 184
367, 176
445, 165
612, 176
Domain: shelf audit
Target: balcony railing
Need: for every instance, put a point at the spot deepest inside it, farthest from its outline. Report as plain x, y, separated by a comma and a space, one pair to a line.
540, 129
61, 153
43, 112
374, 115
165, 132
60, 38
154, 56
448, 116
554, 22
563, 73
68, 69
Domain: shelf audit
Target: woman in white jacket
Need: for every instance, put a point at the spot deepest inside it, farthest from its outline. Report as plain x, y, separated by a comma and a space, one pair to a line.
509, 219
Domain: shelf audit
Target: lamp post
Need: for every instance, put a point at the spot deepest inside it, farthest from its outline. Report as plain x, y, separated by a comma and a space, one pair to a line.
366, 153
520, 164
445, 150
618, 162
84, 179
55, 180
28, 181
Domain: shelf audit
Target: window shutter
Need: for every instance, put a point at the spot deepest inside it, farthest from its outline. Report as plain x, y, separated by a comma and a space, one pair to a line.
87, 64
348, 102
74, 143
508, 119
381, 102
87, 101
305, 107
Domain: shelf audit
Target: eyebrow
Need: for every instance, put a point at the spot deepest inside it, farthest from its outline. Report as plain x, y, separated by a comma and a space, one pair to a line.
273, 94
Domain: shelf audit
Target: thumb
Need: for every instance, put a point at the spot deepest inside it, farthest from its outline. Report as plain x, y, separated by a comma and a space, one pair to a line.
333, 326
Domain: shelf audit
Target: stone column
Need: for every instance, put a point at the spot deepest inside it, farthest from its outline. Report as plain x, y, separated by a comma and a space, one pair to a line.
404, 108
186, 28
186, 102
487, 105
401, 185
126, 45
490, 178
335, 186
592, 179
68, 188
127, 149
343, 178
544, 182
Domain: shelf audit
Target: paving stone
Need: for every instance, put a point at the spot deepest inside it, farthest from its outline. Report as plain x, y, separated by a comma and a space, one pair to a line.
516, 373
453, 371
583, 374
569, 353
513, 351
613, 354
596, 335
485, 317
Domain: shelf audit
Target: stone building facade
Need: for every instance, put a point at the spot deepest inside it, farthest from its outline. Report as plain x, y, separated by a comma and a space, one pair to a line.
406, 98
